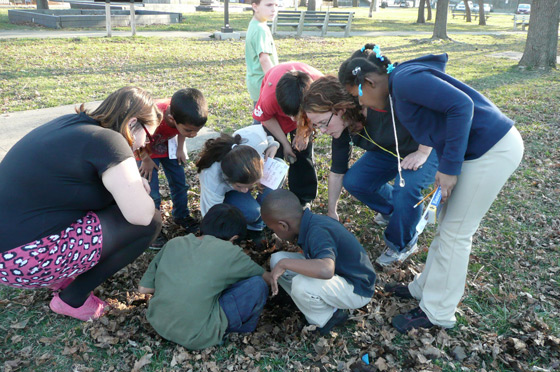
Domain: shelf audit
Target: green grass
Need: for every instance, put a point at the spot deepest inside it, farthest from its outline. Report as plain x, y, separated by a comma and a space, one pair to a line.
514, 251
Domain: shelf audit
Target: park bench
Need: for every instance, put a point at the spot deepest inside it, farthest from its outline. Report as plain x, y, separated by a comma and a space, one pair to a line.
458, 13
520, 19
309, 18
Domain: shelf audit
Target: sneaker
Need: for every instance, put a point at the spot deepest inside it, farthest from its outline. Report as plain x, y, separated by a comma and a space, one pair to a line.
189, 223
403, 255
390, 256
160, 241
415, 318
93, 308
381, 219
339, 317
306, 205
399, 290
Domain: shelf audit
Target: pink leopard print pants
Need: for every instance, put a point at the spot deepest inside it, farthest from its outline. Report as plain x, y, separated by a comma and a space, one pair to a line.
54, 258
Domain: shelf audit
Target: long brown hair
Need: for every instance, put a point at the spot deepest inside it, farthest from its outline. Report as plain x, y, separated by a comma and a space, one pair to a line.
240, 163
326, 94
122, 105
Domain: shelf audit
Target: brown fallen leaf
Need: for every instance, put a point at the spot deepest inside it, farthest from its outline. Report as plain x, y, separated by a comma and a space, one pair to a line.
381, 364
20, 325
145, 360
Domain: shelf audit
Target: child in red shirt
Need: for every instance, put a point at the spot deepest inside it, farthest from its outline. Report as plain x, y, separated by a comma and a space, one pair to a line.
183, 116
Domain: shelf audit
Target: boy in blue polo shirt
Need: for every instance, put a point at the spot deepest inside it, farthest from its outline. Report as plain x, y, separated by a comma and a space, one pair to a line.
334, 272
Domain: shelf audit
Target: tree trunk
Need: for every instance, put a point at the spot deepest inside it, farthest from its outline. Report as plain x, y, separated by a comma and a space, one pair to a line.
421, 18
429, 5
481, 14
335, 4
311, 5
355, 3
440, 26
42, 4
303, 3
467, 11
541, 46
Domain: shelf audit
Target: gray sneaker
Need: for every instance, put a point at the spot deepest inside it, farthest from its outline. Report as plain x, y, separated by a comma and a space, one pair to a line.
407, 252
381, 219
390, 256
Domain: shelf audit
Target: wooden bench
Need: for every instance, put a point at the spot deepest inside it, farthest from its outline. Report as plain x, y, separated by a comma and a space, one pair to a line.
520, 19
464, 14
309, 18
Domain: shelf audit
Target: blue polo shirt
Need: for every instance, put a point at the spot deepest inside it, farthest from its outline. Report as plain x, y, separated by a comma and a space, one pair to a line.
445, 113
323, 237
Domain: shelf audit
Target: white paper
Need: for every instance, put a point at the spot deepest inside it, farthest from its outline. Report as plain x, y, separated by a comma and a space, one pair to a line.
172, 144
274, 173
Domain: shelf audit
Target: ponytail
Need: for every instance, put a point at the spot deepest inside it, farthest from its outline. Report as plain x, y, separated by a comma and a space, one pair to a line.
365, 60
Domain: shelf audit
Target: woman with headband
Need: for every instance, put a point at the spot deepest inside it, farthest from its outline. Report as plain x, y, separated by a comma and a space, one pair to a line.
478, 148
329, 108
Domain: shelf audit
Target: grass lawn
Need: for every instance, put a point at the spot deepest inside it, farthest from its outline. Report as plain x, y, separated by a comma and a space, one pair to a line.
508, 319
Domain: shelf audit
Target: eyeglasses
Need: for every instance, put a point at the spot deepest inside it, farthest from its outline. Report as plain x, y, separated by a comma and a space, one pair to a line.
326, 125
148, 135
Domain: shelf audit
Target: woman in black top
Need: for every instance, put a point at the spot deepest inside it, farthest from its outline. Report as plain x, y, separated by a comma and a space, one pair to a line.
328, 107
73, 206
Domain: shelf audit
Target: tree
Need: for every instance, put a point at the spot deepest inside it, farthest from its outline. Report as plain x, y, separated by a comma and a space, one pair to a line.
467, 11
42, 4
481, 13
541, 46
421, 18
421, 6
355, 3
440, 26
311, 5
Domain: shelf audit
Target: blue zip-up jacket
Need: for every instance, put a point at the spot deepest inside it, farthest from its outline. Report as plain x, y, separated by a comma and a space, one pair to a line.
444, 113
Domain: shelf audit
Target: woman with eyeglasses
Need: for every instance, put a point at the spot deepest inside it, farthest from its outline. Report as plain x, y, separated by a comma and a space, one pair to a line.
73, 207
329, 108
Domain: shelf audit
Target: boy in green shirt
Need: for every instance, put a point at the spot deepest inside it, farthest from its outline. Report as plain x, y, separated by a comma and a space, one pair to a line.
260, 52
205, 287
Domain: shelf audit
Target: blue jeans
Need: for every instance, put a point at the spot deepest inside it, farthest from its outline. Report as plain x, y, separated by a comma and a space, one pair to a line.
243, 303
177, 185
250, 207
367, 182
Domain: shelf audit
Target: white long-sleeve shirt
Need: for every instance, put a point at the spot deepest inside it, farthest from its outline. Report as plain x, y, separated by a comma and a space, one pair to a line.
213, 184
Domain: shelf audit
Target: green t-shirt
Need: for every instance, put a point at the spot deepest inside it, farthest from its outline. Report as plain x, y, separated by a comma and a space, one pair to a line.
258, 40
189, 275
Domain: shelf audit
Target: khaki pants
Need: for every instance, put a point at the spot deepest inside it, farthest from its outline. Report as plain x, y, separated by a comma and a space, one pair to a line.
441, 284
317, 299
